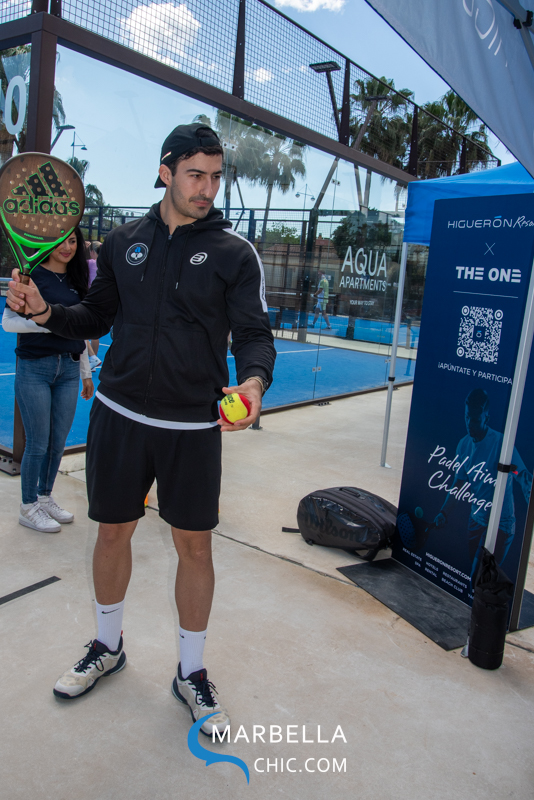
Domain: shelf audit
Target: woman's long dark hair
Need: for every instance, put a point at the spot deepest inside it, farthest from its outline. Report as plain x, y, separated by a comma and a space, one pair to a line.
77, 269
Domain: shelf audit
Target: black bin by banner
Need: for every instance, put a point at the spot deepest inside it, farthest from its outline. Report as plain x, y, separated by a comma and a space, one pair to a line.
489, 615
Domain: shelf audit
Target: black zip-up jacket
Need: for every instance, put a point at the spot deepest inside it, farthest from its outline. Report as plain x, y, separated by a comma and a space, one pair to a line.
172, 300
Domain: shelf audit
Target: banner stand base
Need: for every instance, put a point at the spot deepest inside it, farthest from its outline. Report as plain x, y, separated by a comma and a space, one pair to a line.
440, 617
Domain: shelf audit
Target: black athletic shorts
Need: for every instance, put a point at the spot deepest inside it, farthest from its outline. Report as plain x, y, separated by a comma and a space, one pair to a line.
124, 457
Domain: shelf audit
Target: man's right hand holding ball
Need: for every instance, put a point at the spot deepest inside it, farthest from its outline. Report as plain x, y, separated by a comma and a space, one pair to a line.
26, 299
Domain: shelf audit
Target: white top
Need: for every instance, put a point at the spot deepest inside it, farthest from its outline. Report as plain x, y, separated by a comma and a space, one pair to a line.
14, 323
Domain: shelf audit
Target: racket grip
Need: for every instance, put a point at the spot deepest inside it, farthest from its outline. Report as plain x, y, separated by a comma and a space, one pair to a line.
25, 279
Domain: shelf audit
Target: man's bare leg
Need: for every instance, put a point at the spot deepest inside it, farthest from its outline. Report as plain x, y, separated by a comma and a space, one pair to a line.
194, 593
112, 567
195, 579
112, 561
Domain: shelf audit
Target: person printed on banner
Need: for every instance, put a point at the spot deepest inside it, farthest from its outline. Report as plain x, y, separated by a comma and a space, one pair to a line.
478, 454
172, 284
47, 379
321, 297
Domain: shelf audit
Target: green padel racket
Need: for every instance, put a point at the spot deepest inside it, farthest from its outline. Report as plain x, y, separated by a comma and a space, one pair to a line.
42, 200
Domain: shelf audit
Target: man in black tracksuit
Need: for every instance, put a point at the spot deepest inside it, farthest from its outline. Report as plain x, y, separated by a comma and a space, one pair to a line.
172, 284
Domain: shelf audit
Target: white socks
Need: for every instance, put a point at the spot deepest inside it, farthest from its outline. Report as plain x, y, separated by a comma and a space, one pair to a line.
109, 619
191, 651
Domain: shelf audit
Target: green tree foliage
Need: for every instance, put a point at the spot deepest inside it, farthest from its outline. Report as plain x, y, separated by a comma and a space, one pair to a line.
260, 156
93, 195
281, 163
282, 234
380, 124
80, 165
439, 148
244, 144
357, 230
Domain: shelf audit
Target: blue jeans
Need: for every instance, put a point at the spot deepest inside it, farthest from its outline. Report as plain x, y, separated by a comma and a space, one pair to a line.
46, 390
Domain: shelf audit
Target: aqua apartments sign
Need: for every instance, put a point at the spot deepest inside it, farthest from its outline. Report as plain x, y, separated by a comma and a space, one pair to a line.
364, 270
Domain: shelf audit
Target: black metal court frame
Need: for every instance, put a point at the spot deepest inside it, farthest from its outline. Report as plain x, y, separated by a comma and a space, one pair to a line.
45, 32
45, 29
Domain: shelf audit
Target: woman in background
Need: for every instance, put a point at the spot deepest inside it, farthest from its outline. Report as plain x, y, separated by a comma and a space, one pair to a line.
92, 249
46, 384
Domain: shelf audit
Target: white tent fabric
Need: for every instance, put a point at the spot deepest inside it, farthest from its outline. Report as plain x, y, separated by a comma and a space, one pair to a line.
477, 50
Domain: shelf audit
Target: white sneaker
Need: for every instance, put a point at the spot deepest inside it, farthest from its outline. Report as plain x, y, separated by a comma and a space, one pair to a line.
48, 503
94, 362
34, 516
98, 663
197, 692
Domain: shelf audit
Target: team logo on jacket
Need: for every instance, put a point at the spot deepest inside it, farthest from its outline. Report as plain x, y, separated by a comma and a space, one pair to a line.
136, 254
199, 258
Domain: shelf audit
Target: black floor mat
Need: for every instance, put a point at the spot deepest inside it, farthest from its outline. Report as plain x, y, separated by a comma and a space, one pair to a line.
440, 617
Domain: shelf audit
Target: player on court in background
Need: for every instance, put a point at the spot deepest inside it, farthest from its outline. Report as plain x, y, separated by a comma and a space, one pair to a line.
172, 284
321, 296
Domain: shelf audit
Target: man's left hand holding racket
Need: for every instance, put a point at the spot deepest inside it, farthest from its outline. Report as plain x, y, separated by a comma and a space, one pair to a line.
26, 299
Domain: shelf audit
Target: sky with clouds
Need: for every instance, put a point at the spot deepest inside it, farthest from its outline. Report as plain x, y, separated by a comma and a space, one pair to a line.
355, 29
123, 125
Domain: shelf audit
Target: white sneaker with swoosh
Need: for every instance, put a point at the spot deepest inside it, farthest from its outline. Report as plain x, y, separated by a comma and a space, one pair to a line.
98, 663
199, 694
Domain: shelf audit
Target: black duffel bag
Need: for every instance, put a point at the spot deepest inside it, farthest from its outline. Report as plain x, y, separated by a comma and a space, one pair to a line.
352, 519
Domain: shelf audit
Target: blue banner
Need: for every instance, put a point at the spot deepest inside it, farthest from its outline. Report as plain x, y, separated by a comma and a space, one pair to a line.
479, 267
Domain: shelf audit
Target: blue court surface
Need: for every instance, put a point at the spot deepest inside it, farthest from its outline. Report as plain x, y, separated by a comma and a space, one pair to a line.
295, 380
365, 330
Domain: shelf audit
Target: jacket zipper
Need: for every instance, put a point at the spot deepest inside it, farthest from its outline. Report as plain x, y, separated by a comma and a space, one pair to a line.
156, 319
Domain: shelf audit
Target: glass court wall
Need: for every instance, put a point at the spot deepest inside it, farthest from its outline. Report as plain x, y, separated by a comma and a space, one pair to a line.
319, 153
330, 264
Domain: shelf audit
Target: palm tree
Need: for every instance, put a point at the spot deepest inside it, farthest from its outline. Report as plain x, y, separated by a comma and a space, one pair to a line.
281, 163
439, 147
80, 165
380, 126
93, 195
245, 147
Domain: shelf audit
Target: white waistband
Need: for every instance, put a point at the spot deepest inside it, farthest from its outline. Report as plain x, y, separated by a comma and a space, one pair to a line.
156, 423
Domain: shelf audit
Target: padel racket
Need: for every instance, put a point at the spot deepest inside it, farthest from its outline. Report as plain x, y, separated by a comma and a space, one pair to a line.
42, 200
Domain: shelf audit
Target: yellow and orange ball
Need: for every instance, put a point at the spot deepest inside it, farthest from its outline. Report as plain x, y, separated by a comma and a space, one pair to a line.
234, 407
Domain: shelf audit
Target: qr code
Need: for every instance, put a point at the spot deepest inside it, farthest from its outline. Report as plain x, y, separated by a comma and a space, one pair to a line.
480, 334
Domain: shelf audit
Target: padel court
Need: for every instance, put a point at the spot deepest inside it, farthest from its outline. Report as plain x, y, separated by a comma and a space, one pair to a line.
302, 372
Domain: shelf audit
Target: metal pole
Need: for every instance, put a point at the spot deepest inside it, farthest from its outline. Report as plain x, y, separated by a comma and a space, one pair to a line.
41, 94
334, 102
238, 89
512, 418
393, 360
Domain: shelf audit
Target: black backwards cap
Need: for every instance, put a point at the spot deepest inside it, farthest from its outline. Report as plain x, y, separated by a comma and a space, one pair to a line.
183, 139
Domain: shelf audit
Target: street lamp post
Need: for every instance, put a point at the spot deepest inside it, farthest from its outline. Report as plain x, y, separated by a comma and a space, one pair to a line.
74, 145
59, 132
328, 67
305, 193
